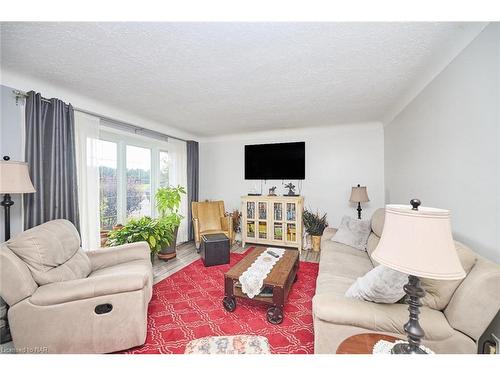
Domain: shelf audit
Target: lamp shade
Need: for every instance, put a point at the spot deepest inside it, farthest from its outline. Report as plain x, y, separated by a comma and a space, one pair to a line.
15, 178
419, 243
359, 194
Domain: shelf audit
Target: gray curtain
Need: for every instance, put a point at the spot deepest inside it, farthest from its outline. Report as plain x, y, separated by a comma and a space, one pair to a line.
192, 182
50, 153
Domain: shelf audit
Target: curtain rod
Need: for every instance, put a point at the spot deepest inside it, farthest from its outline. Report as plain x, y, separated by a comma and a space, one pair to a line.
121, 123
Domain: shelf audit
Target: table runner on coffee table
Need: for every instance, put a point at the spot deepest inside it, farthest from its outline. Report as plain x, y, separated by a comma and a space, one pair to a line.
252, 279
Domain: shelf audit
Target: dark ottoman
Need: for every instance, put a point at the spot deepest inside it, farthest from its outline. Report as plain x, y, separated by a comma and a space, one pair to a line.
214, 249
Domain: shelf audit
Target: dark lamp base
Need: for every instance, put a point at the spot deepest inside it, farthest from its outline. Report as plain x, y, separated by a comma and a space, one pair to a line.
404, 348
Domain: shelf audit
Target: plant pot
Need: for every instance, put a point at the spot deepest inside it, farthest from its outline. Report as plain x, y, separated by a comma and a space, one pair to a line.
168, 252
316, 243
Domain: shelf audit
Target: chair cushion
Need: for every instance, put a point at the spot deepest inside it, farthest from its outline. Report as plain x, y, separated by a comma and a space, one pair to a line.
90, 287
209, 216
52, 252
438, 293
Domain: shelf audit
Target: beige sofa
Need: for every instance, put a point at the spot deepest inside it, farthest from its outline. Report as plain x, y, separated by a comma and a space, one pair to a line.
64, 300
454, 315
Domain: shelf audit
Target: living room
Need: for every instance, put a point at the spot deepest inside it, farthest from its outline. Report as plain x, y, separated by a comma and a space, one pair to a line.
250, 187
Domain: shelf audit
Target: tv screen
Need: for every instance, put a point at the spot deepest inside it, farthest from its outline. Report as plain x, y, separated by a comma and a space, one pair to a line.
275, 161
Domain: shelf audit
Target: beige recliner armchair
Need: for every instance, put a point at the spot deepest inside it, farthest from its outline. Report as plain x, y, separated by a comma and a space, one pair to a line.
65, 300
209, 218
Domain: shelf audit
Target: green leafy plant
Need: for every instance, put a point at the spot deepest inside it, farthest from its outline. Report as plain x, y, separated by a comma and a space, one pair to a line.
236, 218
314, 223
156, 232
168, 201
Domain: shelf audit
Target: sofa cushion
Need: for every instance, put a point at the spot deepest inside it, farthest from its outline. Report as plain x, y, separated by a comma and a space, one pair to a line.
476, 301
371, 245
52, 252
329, 247
345, 265
377, 221
439, 292
382, 285
353, 232
335, 285
379, 317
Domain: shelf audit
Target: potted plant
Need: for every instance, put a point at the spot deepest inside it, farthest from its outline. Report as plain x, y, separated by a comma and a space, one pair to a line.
236, 218
315, 225
168, 201
156, 233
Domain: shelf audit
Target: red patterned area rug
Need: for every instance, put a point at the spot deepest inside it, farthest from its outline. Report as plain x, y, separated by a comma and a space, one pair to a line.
188, 305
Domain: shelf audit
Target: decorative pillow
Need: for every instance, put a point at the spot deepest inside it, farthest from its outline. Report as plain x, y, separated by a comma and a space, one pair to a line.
239, 344
382, 285
353, 232
438, 293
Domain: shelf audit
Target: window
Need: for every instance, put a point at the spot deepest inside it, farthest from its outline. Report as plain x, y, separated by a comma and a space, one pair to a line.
108, 187
131, 169
138, 181
164, 168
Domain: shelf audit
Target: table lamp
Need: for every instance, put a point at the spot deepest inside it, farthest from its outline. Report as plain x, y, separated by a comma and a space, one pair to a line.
14, 179
359, 195
417, 241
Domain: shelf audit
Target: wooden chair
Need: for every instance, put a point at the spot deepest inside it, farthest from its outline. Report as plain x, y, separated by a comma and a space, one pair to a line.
210, 218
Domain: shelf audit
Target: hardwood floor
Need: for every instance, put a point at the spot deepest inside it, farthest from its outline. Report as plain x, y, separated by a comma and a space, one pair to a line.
186, 254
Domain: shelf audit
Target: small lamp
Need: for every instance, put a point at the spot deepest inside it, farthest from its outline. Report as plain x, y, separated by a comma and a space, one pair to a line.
418, 242
14, 179
359, 195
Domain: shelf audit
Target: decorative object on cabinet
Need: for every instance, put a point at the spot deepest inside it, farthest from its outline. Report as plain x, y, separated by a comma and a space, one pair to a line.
314, 225
411, 230
291, 190
359, 195
272, 220
14, 179
272, 191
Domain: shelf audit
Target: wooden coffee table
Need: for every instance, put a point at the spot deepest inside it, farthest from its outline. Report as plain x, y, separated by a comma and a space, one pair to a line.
362, 343
280, 279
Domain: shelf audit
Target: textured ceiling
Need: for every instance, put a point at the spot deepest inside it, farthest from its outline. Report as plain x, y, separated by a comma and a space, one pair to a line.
219, 78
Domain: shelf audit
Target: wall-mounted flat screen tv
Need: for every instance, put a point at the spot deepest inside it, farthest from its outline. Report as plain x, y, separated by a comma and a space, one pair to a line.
275, 161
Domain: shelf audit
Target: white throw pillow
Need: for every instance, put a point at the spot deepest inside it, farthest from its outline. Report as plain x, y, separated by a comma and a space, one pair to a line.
353, 232
382, 285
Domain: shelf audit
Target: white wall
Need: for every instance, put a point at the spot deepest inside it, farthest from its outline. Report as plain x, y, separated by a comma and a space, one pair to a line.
100, 106
11, 145
337, 158
444, 146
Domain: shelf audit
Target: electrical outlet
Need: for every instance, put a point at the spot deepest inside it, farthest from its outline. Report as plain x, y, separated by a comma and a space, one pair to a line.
496, 340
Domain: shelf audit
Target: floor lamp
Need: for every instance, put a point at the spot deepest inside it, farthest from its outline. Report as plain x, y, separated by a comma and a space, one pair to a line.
14, 179
417, 241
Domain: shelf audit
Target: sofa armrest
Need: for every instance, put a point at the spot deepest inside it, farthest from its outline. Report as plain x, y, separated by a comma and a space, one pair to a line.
90, 287
328, 233
109, 256
377, 316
